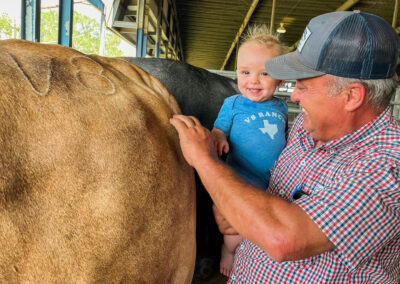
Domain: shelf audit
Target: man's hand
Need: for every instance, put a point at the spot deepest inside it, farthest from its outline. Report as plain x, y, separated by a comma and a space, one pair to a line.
223, 225
196, 142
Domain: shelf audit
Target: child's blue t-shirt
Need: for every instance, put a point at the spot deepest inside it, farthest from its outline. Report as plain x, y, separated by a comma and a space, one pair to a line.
257, 135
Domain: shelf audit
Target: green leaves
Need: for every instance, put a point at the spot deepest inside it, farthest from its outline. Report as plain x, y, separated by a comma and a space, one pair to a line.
8, 28
86, 33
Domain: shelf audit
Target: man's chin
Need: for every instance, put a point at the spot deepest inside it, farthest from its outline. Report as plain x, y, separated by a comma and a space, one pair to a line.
306, 123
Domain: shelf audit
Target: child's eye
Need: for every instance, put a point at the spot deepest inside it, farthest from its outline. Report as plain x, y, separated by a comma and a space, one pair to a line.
264, 74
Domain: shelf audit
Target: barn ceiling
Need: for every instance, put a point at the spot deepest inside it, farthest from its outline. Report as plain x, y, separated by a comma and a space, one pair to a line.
208, 27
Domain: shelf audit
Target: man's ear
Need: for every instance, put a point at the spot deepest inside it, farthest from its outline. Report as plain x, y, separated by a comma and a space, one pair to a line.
355, 96
280, 83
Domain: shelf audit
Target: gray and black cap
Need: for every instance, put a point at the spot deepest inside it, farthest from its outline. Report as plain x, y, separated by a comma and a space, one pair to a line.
345, 44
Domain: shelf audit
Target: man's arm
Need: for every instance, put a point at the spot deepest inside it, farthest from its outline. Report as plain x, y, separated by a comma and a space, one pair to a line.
223, 225
282, 229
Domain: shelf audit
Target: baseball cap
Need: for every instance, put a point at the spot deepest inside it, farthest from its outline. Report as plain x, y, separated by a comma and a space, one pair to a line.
349, 44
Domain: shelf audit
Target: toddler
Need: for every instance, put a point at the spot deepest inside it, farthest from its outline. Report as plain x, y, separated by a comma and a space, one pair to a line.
254, 121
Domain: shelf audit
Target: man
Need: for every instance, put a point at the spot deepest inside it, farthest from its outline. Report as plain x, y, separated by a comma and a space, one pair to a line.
331, 213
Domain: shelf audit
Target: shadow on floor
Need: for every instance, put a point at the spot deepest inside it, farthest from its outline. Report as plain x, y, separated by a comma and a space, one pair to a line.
207, 272
215, 278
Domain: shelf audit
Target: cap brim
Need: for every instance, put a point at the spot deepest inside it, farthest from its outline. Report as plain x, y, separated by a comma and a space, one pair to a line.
289, 67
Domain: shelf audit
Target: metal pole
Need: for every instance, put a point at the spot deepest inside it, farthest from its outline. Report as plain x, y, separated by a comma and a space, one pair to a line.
271, 26
140, 27
65, 22
30, 20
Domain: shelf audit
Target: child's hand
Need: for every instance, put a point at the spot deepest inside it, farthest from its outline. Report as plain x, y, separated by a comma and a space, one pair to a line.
222, 146
220, 142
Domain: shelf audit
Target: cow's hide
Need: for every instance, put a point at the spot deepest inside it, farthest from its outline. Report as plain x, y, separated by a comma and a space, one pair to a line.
93, 185
198, 92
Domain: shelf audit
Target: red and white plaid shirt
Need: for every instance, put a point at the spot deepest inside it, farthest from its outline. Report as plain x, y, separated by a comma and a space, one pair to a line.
354, 198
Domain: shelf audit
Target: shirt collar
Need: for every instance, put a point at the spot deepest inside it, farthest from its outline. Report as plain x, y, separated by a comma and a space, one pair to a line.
373, 126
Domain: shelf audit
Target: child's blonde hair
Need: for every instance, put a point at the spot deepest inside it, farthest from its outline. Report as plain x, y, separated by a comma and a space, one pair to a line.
261, 34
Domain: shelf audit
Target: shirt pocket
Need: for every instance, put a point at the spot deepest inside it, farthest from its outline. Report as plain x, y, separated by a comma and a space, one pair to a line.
316, 188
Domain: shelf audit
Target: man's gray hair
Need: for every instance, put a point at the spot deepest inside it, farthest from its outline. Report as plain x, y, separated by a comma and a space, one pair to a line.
379, 92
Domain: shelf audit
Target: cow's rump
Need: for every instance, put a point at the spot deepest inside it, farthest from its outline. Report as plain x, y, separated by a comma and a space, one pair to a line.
93, 185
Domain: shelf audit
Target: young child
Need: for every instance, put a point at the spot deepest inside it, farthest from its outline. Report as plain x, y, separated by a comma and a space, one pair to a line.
254, 122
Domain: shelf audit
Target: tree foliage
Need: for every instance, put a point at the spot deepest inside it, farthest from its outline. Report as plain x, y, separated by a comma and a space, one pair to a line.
49, 26
8, 29
86, 33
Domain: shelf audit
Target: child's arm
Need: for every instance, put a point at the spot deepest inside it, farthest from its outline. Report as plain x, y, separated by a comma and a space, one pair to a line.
220, 141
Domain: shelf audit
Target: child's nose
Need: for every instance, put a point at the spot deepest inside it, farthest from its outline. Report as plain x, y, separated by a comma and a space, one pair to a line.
254, 78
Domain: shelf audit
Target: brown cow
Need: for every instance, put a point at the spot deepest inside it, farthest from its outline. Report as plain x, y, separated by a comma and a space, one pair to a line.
93, 185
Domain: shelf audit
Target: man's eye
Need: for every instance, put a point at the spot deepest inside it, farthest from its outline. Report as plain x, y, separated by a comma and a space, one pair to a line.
246, 72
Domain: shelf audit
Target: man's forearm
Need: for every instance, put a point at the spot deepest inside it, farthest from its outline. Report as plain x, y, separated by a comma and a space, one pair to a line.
280, 228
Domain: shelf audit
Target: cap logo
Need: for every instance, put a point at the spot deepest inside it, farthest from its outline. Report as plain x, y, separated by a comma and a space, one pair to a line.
303, 39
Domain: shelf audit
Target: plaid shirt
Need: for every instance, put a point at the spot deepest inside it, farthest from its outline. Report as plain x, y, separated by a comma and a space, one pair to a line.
354, 198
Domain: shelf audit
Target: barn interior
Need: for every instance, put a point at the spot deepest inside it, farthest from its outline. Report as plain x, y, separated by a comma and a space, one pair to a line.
206, 34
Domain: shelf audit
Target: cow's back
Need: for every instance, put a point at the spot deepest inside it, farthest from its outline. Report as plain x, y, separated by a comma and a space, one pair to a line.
93, 186
198, 92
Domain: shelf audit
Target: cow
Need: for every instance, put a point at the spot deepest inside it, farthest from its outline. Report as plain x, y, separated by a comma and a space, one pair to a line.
93, 184
199, 93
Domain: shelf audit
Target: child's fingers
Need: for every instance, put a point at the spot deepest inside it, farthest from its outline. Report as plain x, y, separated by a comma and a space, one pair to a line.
220, 149
226, 148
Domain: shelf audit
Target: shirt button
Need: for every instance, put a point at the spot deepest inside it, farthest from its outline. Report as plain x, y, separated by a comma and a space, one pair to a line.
233, 277
303, 163
281, 192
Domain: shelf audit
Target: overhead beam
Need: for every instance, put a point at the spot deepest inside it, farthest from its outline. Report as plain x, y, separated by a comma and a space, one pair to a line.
240, 31
30, 20
396, 9
124, 24
344, 7
98, 4
271, 26
347, 5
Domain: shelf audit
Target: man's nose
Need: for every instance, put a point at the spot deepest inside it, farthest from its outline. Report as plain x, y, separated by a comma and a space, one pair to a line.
295, 97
